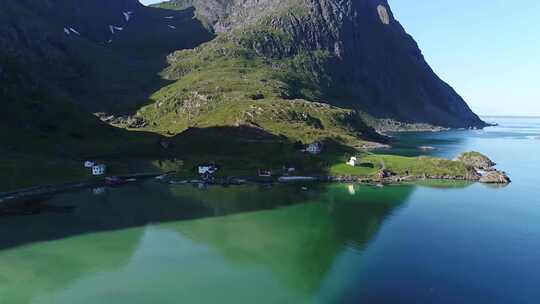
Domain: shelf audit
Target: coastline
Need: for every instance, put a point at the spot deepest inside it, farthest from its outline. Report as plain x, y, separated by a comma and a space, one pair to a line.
368, 168
22, 195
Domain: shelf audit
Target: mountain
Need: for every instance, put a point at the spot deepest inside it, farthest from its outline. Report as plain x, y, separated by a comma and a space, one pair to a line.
371, 63
302, 69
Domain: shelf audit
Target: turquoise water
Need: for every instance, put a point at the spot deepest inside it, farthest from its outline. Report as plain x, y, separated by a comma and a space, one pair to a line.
338, 243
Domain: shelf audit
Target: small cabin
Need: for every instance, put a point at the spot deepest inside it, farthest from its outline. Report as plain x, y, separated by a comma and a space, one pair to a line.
352, 161
89, 164
98, 170
265, 173
314, 148
207, 169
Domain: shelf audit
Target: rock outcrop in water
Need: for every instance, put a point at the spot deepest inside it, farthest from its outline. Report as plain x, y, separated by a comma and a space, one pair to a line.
495, 177
485, 168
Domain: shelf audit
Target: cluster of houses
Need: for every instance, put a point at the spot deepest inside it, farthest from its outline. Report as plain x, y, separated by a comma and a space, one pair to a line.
97, 169
206, 171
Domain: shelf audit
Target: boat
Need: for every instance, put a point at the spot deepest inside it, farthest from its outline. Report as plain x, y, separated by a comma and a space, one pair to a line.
114, 181
285, 179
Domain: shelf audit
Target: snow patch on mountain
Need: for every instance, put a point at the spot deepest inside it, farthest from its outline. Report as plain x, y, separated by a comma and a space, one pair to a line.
114, 28
127, 15
74, 31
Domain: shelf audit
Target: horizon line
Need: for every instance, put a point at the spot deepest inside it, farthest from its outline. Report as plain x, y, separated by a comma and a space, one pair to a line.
510, 116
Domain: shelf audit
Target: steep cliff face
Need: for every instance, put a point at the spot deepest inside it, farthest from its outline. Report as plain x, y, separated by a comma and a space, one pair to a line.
375, 65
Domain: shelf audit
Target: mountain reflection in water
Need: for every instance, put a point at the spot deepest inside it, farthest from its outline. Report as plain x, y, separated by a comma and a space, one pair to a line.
293, 236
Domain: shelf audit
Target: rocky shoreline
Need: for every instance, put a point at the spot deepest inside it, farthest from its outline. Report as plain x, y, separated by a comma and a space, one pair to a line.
389, 126
484, 167
494, 177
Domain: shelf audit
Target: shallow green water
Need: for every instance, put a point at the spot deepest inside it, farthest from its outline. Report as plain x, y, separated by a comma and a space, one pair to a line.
151, 243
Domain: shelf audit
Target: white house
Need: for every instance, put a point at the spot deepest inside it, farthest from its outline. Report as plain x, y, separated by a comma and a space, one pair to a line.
353, 161
98, 170
207, 169
89, 164
314, 148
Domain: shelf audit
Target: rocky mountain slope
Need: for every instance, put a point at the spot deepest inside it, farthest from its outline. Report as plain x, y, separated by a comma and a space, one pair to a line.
104, 55
372, 64
61, 60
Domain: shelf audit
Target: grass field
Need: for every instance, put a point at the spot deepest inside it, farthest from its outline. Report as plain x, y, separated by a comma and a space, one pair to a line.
370, 164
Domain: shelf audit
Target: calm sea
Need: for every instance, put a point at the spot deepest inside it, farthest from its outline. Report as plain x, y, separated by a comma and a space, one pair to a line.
335, 243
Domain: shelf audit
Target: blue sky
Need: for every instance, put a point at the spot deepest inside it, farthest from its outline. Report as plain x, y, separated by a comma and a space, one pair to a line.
489, 51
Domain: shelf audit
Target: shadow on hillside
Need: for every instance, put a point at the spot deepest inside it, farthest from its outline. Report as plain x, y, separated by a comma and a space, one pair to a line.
126, 72
245, 149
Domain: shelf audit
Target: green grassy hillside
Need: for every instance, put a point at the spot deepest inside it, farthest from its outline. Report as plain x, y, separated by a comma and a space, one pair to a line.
371, 63
222, 83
